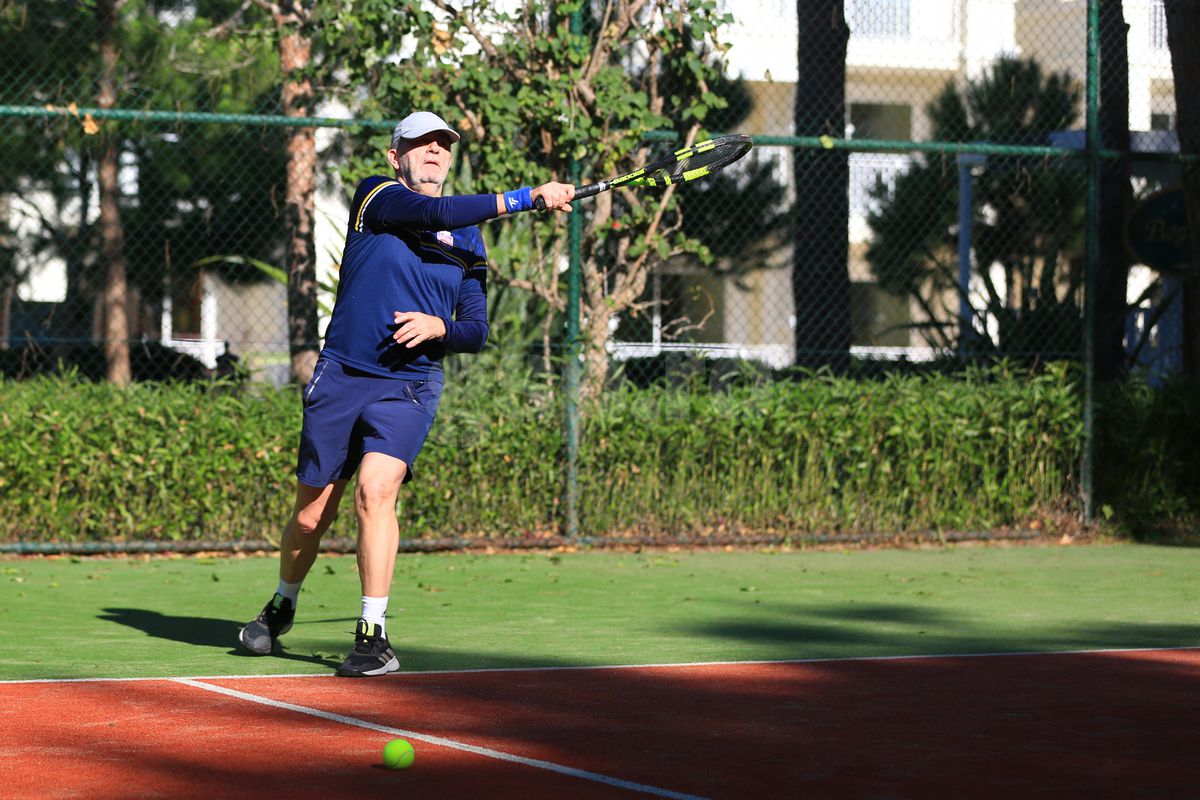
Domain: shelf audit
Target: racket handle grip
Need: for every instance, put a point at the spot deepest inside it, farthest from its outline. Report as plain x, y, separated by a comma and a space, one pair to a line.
589, 190
580, 193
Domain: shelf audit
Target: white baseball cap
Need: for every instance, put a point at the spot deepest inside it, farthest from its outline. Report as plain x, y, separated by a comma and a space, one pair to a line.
419, 123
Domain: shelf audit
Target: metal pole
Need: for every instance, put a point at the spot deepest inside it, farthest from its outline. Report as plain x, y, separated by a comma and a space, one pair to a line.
1092, 237
571, 369
966, 218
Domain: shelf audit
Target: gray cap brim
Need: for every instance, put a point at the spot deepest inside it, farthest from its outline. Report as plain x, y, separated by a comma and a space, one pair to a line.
421, 123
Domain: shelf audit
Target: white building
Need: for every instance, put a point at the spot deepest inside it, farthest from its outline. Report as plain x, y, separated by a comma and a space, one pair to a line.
901, 53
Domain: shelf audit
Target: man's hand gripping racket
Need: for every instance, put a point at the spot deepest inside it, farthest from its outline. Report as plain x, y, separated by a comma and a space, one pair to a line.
690, 163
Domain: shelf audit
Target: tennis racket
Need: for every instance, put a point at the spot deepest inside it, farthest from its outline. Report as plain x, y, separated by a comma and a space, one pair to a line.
701, 159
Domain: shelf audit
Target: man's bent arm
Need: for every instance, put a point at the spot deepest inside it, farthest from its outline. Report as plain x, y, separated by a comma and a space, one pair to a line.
468, 331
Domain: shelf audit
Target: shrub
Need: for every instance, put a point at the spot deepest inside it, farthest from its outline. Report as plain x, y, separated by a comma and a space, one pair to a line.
1147, 459
986, 448
983, 449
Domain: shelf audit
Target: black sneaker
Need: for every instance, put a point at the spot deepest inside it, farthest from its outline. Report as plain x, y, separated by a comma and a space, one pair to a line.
273, 621
372, 655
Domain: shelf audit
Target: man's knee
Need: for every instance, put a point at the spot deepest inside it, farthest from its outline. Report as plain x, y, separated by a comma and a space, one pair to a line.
316, 508
376, 494
311, 522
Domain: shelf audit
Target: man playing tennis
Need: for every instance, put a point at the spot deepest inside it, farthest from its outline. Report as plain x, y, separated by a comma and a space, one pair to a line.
411, 289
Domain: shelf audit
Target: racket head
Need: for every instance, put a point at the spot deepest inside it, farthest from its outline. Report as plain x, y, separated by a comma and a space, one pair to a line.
690, 163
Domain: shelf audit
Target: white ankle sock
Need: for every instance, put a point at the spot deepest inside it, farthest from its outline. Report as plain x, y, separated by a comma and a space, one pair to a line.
289, 590
374, 609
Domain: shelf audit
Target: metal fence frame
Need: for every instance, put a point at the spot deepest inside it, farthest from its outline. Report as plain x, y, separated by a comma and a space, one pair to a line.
1092, 156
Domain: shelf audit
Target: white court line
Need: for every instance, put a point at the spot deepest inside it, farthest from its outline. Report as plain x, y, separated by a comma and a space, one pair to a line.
437, 740
599, 667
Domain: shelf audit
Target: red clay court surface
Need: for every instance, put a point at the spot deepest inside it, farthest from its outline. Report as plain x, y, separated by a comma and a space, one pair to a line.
1106, 723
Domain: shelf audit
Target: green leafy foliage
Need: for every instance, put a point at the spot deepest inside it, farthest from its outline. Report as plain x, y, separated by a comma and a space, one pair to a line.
983, 449
986, 448
87, 461
1149, 473
531, 95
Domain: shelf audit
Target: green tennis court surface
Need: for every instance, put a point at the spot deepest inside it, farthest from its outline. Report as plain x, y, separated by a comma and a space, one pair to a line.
953, 672
169, 617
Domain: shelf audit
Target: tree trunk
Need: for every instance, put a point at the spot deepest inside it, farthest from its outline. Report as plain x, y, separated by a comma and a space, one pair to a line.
112, 234
73, 317
1116, 194
295, 50
8, 277
595, 357
1183, 38
820, 276
6, 297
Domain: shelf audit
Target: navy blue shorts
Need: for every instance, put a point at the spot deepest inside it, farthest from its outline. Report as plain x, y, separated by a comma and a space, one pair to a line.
348, 412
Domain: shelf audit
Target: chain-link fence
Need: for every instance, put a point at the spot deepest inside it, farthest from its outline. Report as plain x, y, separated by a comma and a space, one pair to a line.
971, 240
918, 195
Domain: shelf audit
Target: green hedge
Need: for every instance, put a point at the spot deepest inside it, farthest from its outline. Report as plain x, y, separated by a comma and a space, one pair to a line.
984, 449
1148, 457
88, 461
989, 448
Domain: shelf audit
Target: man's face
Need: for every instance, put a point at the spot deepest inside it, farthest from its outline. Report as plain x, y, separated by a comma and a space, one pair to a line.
422, 164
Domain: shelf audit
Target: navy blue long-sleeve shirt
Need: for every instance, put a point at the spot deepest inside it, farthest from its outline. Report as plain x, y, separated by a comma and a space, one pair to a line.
409, 252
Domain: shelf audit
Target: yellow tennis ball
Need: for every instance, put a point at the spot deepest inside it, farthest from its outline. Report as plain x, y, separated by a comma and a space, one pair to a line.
398, 754
826, 141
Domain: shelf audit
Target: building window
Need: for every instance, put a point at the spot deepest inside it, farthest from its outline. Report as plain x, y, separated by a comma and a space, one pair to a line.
183, 307
682, 307
877, 318
1162, 122
880, 121
868, 170
880, 19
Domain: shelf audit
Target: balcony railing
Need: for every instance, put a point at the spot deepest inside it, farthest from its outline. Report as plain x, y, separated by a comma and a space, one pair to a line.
1158, 26
885, 34
869, 169
881, 19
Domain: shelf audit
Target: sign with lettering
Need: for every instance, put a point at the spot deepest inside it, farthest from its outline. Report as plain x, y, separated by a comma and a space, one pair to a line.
1157, 232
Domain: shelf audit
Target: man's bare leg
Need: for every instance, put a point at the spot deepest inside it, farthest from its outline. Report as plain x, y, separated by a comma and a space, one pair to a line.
379, 479
312, 515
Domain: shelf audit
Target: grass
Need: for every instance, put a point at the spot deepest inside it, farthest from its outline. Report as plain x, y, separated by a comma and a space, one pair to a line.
132, 617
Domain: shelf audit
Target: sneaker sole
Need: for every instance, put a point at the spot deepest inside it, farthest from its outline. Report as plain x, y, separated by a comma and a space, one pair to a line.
255, 650
391, 666
247, 645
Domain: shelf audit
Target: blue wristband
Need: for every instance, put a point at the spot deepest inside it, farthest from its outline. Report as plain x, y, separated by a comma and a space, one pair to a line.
518, 200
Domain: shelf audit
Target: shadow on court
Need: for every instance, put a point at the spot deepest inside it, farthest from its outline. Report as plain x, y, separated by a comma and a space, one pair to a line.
898, 630
197, 631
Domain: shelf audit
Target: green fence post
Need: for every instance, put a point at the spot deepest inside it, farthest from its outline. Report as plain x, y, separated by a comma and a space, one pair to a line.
571, 367
1092, 237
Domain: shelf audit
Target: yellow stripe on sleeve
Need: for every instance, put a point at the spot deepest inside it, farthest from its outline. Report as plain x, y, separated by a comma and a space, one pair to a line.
358, 220
442, 251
